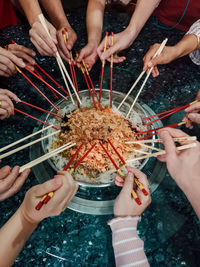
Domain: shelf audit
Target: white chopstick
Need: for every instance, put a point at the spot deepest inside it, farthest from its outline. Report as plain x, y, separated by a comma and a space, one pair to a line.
46, 156
177, 139
60, 63
24, 138
139, 92
161, 153
26, 145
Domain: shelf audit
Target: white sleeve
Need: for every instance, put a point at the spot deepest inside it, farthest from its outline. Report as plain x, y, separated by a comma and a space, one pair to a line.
195, 29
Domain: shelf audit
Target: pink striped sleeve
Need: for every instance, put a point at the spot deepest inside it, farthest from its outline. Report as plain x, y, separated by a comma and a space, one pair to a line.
128, 247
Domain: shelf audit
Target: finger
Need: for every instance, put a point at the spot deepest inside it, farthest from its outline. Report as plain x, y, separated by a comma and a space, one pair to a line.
62, 55
161, 158
62, 45
119, 181
194, 117
15, 186
112, 50
4, 172
6, 102
17, 61
81, 55
149, 55
140, 175
25, 57
4, 69
10, 179
41, 45
49, 186
118, 59
169, 145
3, 114
193, 107
128, 183
174, 132
9, 94
50, 41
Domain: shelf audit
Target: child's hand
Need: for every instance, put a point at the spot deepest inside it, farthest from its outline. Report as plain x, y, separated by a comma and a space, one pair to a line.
64, 189
183, 166
11, 181
125, 205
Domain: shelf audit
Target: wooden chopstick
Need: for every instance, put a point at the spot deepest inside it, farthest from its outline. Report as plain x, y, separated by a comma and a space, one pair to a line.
25, 138
111, 69
102, 68
177, 139
46, 156
26, 145
59, 59
161, 152
159, 51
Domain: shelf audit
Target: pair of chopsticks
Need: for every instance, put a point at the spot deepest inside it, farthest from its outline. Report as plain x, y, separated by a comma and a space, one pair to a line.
167, 113
155, 130
2, 156
45, 199
71, 64
138, 183
61, 65
149, 155
46, 156
158, 52
177, 139
111, 68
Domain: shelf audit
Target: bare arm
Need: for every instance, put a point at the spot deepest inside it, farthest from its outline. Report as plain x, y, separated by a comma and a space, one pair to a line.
31, 9
125, 38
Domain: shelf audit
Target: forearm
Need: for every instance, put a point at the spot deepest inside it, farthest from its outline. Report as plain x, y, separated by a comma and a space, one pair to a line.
188, 44
31, 9
128, 247
94, 20
142, 12
55, 12
192, 193
13, 236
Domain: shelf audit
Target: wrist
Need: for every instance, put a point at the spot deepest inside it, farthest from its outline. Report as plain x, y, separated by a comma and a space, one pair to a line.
25, 219
61, 24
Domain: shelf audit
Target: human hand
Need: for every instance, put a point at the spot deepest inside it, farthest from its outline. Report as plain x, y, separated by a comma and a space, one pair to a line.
122, 41
24, 53
64, 189
167, 55
183, 166
11, 181
193, 113
8, 62
45, 44
6, 105
88, 54
124, 204
65, 48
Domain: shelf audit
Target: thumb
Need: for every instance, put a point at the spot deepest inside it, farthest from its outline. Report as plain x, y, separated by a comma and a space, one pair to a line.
194, 117
105, 55
49, 186
169, 145
81, 55
128, 184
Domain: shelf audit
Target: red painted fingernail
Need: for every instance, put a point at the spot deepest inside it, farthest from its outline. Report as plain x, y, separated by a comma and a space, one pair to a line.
63, 32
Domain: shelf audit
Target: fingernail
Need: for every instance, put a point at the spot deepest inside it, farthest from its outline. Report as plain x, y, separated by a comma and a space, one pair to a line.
150, 64
33, 54
54, 49
23, 65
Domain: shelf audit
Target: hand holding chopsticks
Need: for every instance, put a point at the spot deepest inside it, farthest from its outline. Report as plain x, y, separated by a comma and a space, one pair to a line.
124, 206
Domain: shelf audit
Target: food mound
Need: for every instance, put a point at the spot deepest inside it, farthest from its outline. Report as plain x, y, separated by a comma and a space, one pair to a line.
89, 125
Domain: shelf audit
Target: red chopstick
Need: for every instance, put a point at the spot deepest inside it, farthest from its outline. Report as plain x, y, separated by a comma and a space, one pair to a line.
120, 157
164, 116
72, 158
84, 156
44, 110
111, 70
102, 69
35, 87
109, 156
40, 68
28, 115
47, 84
